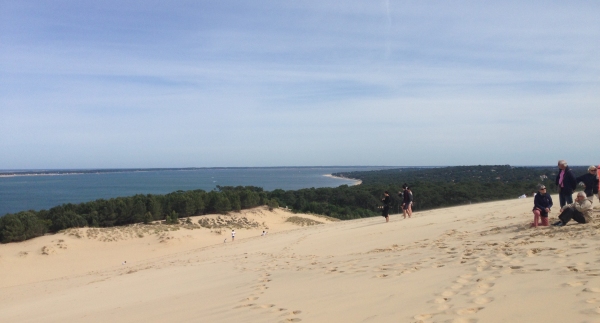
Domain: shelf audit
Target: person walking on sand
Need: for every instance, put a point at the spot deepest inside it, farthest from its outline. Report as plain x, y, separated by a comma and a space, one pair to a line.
580, 211
542, 203
385, 212
590, 180
410, 203
232, 235
406, 200
566, 183
598, 180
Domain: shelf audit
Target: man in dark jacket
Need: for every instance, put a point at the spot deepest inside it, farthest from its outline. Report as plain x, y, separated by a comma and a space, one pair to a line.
566, 182
590, 180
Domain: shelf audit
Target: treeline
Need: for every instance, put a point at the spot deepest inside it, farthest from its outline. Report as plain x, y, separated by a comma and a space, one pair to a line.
128, 210
432, 188
456, 174
450, 186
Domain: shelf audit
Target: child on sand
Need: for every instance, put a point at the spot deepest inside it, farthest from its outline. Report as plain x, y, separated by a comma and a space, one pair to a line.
232, 235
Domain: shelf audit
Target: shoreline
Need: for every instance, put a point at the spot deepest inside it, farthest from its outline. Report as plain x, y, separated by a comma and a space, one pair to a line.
356, 181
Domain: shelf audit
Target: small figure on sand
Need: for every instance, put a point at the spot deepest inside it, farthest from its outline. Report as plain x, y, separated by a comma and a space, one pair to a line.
542, 203
580, 211
232, 235
263, 234
598, 177
385, 212
410, 198
407, 199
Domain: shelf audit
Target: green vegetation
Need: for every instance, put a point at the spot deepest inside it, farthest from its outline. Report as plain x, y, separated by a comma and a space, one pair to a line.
128, 210
432, 188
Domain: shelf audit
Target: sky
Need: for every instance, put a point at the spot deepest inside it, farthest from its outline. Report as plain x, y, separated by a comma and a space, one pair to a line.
128, 84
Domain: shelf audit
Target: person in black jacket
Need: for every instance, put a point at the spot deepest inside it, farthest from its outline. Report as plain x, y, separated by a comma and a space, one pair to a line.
590, 180
566, 182
406, 196
386, 206
542, 203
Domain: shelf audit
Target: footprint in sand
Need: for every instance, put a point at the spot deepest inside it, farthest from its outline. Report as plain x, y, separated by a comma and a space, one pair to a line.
593, 300
441, 300
594, 311
467, 311
592, 290
462, 320
485, 285
482, 300
447, 293
478, 292
575, 284
422, 316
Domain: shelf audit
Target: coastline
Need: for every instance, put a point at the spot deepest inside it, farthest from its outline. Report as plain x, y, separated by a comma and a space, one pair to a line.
356, 181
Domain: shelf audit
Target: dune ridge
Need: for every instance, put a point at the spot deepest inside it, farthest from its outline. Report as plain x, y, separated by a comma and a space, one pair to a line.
474, 263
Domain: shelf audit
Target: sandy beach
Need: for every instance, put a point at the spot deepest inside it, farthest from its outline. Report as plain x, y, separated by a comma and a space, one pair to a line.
474, 263
356, 181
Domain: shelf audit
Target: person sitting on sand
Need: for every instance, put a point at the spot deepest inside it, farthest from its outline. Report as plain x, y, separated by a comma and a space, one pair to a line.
542, 203
580, 211
385, 212
590, 180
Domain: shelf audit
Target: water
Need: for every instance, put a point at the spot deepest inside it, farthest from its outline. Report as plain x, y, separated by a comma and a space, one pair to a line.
20, 193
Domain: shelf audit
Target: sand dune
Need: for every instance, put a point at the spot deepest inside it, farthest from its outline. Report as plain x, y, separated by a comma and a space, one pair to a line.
475, 263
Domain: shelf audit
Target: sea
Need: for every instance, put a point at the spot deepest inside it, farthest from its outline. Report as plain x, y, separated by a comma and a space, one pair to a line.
36, 190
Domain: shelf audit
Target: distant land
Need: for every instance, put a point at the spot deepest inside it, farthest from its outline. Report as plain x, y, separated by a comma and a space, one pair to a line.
50, 172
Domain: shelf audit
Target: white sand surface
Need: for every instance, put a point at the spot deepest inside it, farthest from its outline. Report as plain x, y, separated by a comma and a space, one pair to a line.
475, 263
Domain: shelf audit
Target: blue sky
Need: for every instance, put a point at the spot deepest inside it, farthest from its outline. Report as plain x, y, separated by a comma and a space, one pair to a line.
285, 83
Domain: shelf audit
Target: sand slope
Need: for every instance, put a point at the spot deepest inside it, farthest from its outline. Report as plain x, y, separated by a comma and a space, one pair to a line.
476, 263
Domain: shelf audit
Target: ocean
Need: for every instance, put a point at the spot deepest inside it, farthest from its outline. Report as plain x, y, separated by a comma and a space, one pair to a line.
37, 192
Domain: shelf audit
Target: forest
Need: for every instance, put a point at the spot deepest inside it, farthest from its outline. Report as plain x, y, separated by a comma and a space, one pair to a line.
432, 188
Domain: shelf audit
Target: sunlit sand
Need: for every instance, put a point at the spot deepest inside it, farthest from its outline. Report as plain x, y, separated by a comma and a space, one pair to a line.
474, 263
